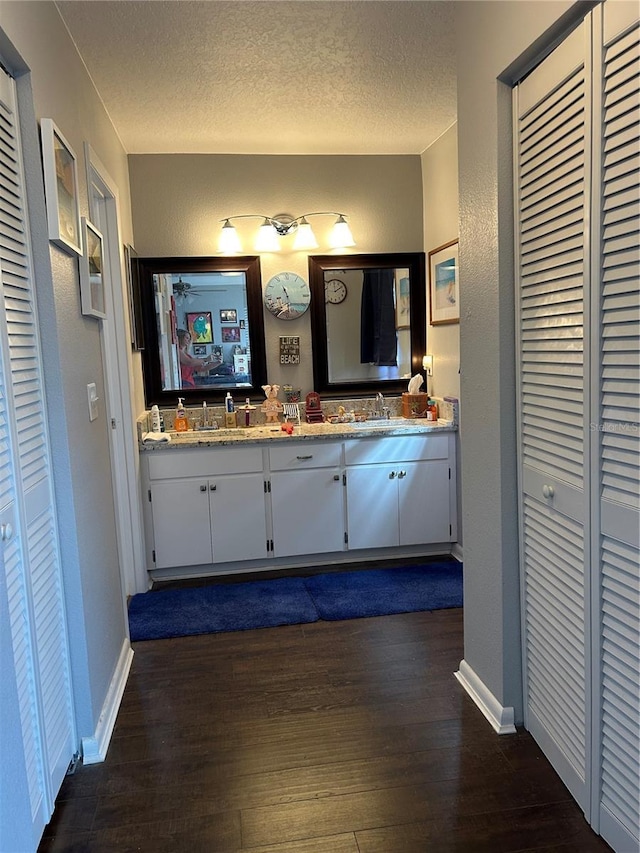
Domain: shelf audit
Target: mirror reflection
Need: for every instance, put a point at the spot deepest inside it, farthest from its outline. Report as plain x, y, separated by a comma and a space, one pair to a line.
203, 317
368, 323
203, 330
369, 331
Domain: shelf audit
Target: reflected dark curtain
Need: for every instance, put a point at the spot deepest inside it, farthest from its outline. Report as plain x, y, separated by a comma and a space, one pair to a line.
378, 341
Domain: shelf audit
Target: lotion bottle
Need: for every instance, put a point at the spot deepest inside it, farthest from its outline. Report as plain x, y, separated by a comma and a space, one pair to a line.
181, 424
155, 419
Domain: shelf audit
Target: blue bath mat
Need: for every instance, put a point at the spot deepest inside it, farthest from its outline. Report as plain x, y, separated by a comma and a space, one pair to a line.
381, 592
183, 612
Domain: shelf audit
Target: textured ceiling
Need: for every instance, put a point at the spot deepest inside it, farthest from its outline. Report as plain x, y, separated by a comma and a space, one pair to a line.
284, 77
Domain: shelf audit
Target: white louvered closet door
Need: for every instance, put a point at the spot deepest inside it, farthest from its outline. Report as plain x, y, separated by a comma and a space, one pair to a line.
32, 565
617, 441
552, 186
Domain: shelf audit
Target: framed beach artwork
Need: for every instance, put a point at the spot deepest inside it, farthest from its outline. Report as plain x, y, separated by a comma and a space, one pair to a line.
444, 291
61, 188
92, 273
200, 326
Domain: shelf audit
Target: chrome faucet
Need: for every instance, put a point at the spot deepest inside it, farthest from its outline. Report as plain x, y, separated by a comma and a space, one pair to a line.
381, 410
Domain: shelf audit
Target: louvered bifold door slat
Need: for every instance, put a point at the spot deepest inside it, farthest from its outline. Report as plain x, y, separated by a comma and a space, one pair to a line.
38, 579
552, 189
619, 436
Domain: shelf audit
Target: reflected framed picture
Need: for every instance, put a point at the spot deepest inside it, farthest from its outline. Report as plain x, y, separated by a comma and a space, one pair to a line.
92, 273
61, 188
228, 315
403, 304
444, 291
230, 334
200, 326
200, 350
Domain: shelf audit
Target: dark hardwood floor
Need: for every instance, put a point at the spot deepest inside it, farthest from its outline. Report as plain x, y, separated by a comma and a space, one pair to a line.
344, 737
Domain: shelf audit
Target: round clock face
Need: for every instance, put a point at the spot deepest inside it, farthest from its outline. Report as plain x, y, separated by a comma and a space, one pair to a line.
335, 291
287, 296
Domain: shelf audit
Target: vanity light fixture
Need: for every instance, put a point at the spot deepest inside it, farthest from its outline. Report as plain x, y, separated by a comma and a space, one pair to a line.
427, 364
281, 225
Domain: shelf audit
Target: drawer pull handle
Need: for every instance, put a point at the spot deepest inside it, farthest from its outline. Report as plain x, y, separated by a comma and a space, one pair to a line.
309, 456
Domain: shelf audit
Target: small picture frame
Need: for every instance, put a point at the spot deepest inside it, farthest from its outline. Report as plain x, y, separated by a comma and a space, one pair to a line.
444, 290
200, 326
199, 350
403, 303
92, 273
61, 188
228, 315
132, 268
230, 334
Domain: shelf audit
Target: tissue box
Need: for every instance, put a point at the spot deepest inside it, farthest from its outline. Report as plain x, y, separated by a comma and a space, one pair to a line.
414, 405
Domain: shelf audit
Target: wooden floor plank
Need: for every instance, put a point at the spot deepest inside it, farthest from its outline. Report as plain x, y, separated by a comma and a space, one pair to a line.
332, 737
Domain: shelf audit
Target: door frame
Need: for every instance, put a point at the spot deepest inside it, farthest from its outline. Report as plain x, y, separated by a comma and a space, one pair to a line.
104, 211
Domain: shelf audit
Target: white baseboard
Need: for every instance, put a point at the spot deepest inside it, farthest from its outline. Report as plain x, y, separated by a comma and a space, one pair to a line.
456, 551
502, 719
94, 749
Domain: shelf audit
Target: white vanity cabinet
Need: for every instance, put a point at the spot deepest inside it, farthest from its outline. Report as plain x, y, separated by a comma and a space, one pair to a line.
400, 491
307, 498
207, 506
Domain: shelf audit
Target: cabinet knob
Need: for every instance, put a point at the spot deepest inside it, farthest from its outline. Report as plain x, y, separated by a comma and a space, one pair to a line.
547, 491
402, 474
203, 488
336, 476
392, 475
6, 532
212, 487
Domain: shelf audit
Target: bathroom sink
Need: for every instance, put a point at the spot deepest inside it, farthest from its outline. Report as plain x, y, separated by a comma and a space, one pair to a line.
385, 423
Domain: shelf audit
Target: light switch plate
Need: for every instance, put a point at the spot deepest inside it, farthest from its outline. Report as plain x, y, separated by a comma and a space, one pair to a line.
92, 399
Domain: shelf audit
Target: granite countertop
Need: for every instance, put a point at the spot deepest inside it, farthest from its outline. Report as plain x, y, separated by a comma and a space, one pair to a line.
304, 432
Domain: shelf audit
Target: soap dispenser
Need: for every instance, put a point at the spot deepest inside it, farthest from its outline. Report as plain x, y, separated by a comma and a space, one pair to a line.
181, 424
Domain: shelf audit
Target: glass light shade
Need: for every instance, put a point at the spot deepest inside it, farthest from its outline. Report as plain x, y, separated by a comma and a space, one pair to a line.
267, 239
427, 364
305, 238
341, 236
229, 242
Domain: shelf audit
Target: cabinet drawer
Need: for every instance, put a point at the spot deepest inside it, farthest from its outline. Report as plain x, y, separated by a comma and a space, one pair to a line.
294, 457
204, 463
410, 448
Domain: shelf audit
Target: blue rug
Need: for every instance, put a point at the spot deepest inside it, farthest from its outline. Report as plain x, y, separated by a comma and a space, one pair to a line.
377, 592
294, 601
166, 613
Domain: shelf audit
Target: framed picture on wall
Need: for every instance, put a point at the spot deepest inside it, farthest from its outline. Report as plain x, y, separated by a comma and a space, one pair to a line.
60, 169
230, 334
200, 350
92, 273
200, 327
228, 315
444, 291
132, 268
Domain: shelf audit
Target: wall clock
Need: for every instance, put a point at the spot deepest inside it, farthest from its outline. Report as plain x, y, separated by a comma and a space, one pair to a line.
335, 291
287, 296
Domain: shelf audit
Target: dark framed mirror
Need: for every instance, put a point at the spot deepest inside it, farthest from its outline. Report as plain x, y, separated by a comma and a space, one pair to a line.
367, 322
204, 329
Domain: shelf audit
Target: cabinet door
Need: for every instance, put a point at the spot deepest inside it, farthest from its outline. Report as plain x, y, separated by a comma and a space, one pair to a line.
307, 509
238, 517
372, 506
423, 502
181, 525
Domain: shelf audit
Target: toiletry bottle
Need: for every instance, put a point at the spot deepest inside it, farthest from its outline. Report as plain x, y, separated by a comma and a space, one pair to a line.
155, 418
247, 412
230, 417
181, 424
204, 414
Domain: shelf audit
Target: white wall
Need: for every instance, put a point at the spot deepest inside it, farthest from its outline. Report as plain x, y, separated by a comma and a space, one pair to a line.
58, 87
440, 200
178, 200
490, 36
